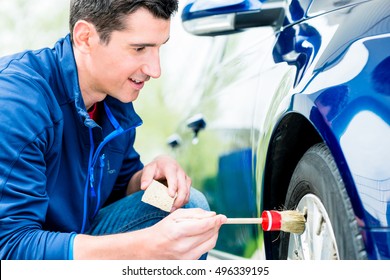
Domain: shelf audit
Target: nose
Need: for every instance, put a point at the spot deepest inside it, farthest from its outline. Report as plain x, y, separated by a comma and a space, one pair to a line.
152, 65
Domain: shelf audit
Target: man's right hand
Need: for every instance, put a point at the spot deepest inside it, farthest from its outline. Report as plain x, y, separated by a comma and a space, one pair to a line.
186, 234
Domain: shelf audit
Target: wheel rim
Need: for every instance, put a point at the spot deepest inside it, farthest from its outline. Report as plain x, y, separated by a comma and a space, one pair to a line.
318, 240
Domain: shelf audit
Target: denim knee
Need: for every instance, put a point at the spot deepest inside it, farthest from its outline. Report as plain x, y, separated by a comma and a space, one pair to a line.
197, 200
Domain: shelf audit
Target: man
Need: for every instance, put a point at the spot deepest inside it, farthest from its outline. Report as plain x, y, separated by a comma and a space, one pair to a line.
67, 162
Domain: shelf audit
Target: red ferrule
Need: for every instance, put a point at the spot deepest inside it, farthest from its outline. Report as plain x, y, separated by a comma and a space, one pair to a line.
272, 220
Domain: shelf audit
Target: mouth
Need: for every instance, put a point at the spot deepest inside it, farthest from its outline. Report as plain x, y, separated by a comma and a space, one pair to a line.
136, 81
137, 84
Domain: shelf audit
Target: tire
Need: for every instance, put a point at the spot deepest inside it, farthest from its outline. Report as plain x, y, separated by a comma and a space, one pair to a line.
331, 230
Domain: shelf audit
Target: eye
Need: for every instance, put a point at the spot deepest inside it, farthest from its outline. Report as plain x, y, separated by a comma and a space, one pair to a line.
140, 49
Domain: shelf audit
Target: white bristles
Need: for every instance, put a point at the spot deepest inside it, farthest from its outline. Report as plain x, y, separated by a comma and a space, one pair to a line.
292, 221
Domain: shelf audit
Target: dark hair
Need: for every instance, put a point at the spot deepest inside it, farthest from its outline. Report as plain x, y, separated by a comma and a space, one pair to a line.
107, 15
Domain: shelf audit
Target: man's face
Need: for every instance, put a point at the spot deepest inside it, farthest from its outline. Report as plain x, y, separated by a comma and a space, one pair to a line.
121, 67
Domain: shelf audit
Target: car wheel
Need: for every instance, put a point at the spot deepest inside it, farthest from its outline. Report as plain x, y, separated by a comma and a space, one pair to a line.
331, 230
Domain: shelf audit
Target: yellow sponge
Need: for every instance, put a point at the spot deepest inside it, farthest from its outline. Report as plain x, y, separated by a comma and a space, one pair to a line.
157, 195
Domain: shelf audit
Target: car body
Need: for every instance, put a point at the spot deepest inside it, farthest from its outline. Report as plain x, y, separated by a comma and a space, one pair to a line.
293, 113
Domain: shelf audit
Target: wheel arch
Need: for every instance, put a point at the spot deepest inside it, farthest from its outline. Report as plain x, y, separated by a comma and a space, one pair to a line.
290, 140
293, 136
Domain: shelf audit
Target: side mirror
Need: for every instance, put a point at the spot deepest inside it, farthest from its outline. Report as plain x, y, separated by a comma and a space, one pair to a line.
196, 123
174, 141
216, 17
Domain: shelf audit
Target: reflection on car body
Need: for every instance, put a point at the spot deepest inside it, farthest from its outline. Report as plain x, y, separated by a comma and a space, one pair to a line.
296, 111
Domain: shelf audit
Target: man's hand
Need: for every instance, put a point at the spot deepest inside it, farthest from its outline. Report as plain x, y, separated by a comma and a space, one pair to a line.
167, 171
187, 234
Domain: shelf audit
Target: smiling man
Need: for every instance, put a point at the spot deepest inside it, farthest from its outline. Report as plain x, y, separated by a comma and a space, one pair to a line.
70, 179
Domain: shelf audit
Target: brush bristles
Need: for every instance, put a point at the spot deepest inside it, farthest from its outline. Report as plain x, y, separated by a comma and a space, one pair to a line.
292, 221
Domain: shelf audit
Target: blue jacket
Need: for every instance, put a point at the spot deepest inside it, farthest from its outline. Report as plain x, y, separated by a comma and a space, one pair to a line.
58, 167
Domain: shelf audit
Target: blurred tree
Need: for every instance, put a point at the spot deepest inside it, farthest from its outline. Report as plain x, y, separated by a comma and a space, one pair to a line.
27, 24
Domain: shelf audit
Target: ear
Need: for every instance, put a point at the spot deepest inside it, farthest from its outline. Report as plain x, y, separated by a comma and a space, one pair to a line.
84, 36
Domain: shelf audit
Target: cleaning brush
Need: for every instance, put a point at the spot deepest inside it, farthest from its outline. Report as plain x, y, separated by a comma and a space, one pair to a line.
287, 221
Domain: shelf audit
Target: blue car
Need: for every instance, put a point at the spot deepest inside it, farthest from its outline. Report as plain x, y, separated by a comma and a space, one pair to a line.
292, 112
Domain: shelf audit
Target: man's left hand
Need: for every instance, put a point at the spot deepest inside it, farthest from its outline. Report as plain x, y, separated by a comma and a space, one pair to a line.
167, 171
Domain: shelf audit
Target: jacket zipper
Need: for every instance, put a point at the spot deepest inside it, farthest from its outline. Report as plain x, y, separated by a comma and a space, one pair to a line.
102, 163
93, 157
88, 181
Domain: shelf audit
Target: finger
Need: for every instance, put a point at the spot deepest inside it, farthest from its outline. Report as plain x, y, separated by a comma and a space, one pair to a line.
182, 191
206, 246
173, 189
192, 213
147, 176
184, 214
189, 184
201, 244
198, 227
193, 247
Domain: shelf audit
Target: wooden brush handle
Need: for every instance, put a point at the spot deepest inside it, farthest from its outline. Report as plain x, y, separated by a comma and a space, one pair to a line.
240, 221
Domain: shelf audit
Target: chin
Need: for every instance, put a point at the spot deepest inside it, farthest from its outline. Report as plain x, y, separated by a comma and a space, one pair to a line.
129, 98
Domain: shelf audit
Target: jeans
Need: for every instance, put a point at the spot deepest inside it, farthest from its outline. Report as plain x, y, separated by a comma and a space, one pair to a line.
130, 214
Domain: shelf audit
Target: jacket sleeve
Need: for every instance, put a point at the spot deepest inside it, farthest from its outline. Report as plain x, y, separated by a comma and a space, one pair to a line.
26, 135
